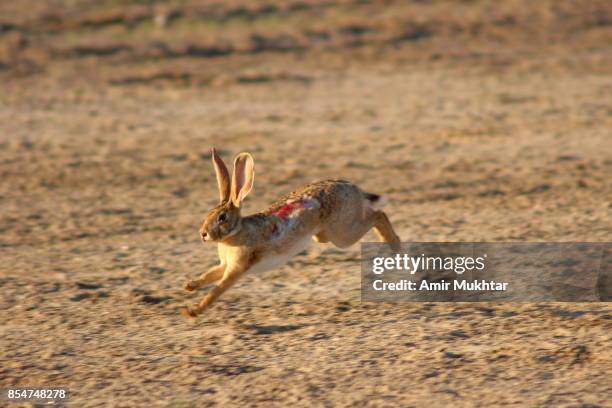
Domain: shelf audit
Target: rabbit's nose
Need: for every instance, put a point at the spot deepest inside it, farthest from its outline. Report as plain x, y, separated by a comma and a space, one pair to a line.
204, 235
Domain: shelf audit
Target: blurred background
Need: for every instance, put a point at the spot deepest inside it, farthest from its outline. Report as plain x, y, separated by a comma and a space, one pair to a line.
477, 119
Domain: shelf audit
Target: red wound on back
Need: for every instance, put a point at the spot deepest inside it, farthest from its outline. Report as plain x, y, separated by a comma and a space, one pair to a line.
288, 209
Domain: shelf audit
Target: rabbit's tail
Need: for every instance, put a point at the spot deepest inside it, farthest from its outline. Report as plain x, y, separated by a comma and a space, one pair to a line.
376, 201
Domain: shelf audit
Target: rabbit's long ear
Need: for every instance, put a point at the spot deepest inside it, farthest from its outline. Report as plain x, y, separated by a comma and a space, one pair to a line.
223, 178
242, 180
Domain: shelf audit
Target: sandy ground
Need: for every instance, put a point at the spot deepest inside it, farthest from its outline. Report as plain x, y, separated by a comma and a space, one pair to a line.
477, 120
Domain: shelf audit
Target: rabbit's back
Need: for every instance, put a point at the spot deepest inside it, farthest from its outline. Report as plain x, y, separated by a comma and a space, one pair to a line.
327, 196
302, 212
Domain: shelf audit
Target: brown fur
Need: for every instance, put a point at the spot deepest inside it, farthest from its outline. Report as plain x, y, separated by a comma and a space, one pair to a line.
332, 210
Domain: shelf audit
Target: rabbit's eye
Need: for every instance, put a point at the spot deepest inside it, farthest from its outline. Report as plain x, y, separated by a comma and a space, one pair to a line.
222, 217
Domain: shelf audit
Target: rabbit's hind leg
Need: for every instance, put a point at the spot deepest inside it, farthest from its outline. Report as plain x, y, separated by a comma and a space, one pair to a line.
321, 237
384, 230
350, 230
349, 233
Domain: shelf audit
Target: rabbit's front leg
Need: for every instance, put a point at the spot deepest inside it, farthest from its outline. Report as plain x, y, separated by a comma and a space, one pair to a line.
213, 274
230, 277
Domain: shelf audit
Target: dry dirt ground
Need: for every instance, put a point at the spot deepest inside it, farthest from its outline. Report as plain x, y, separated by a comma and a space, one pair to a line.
478, 120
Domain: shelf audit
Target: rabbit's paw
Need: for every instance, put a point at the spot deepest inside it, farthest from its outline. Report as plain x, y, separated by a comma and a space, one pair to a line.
190, 312
193, 285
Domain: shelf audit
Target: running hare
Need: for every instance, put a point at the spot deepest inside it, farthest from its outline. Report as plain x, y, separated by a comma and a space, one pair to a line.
334, 211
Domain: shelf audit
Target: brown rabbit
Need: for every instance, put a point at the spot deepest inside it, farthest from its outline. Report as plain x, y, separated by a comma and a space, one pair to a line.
334, 211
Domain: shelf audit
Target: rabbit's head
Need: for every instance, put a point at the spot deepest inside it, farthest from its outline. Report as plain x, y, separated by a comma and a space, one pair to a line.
223, 221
